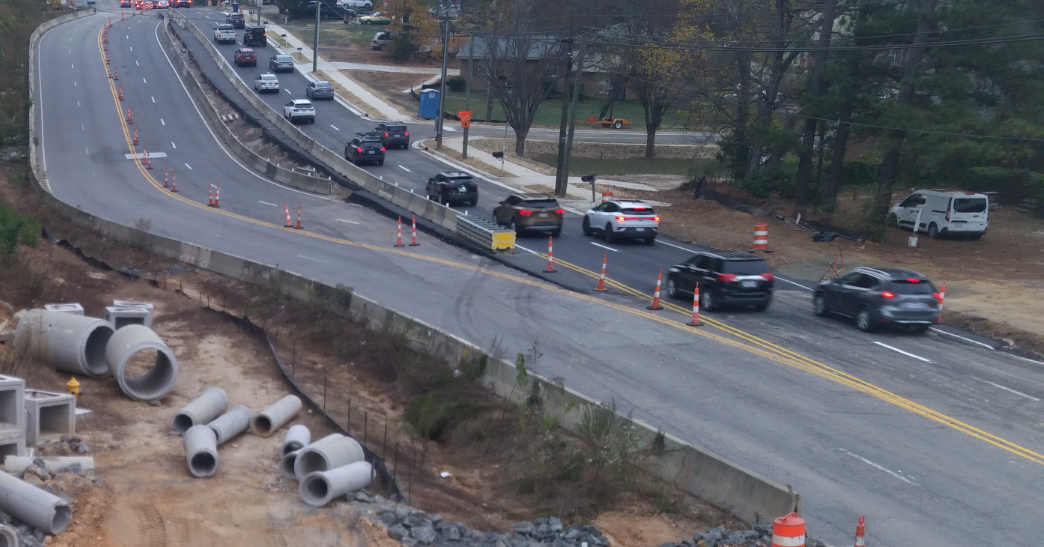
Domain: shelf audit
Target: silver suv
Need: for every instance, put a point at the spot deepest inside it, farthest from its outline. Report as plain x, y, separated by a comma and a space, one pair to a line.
299, 109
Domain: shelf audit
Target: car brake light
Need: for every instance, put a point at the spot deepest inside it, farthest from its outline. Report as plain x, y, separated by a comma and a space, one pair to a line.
359, 150
657, 219
937, 296
912, 280
406, 134
887, 294
559, 211
621, 219
525, 212
385, 133
383, 150
768, 276
726, 278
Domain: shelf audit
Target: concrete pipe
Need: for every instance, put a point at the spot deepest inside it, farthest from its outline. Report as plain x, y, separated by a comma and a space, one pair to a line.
275, 416
326, 454
70, 343
9, 537
201, 454
31, 505
231, 423
155, 380
17, 464
289, 460
203, 410
297, 437
320, 488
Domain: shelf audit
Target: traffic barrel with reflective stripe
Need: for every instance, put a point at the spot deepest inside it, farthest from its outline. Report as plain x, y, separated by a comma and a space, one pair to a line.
761, 236
860, 537
788, 531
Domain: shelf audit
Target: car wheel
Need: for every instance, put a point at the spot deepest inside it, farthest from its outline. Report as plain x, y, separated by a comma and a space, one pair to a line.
474, 202
864, 322
893, 221
707, 301
406, 146
672, 289
819, 305
586, 226
514, 227
618, 125
380, 162
365, 22
609, 237
933, 231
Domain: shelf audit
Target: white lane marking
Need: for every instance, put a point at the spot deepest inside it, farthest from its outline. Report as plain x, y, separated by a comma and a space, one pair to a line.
74, 84
172, 144
153, 99
940, 331
906, 353
128, 38
662, 242
136, 63
357, 205
287, 91
139, 156
88, 151
82, 128
335, 127
404, 168
213, 234
189, 166
526, 250
72, 65
1035, 362
1008, 389
77, 103
132, 49
315, 259
348, 221
796, 284
604, 247
70, 39
266, 203
206, 17
876, 466
144, 80
164, 123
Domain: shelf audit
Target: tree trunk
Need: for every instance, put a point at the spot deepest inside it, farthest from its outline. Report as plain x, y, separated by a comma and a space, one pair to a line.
739, 129
837, 161
890, 162
650, 141
780, 62
520, 141
816, 89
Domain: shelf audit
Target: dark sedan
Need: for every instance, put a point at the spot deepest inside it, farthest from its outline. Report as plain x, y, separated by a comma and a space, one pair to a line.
320, 90
877, 297
281, 63
452, 187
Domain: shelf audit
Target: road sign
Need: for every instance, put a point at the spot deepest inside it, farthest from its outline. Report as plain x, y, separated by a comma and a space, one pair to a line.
464, 124
464, 115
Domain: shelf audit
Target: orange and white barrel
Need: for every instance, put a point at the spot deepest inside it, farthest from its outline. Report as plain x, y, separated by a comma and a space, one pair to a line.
788, 531
761, 236
607, 196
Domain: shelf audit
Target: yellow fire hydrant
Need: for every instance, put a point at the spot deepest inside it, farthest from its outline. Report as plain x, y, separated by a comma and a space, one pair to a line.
74, 387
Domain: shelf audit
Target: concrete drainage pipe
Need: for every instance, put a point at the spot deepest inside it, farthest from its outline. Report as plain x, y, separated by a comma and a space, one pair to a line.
70, 343
144, 366
203, 410
275, 416
9, 537
201, 454
33, 506
289, 460
54, 464
320, 488
231, 423
327, 453
297, 437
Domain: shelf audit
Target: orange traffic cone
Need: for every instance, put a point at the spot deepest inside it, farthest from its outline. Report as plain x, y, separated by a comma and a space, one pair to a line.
550, 257
860, 537
298, 216
217, 197
656, 295
166, 180
135, 135
601, 278
414, 243
173, 182
130, 115
210, 196
695, 322
121, 92
115, 74
287, 209
398, 234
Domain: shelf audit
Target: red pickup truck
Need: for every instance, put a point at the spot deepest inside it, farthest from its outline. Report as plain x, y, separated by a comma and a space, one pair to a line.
245, 56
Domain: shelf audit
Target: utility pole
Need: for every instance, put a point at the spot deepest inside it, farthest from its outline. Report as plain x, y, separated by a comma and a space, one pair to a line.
442, 85
467, 89
572, 107
561, 169
315, 43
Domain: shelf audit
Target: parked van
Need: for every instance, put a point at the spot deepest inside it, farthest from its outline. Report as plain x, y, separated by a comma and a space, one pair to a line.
943, 213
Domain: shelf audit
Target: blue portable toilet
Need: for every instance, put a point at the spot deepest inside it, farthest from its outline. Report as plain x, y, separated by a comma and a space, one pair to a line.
235, 7
429, 104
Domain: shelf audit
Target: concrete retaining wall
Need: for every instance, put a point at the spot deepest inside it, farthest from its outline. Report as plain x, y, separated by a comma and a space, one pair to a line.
727, 486
414, 203
293, 179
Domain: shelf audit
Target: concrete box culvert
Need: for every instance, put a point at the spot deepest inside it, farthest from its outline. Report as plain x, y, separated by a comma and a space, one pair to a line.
231, 423
201, 411
201, 453
327, 453
33, 506
320, 488
297, 437
9, 537
275, 416
154, 370
70, 343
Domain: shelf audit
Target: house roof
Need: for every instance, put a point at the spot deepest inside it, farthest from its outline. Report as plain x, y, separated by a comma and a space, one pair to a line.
538, 46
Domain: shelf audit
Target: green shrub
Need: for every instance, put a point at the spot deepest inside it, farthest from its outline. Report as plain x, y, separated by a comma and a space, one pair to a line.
856, 173
456, 84
402, 48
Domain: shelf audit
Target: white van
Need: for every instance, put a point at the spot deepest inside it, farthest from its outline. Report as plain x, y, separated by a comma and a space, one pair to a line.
952, 213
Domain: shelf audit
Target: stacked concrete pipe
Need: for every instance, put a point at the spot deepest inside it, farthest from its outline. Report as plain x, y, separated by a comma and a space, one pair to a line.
321, 487
327, 453
31, 505
231, 423
70, 343
201, 454
159, 380
275, 416
9, 537
203, 410
288, 461
297, 437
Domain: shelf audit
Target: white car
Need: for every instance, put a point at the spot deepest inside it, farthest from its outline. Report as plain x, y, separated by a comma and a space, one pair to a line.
359, 5
299, 109
224, 33
266, 82
623, 219
943, 213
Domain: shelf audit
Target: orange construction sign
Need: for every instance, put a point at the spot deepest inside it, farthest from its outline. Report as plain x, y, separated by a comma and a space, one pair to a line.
464, 115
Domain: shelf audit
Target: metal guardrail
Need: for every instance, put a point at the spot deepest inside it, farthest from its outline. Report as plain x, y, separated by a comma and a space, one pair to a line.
485, 234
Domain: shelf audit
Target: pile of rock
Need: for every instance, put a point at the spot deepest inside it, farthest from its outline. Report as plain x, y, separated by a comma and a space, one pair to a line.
760, 536
69, 483
66, 445
414, 528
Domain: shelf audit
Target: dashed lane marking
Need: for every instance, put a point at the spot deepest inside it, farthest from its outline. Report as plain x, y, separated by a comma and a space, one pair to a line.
906, 353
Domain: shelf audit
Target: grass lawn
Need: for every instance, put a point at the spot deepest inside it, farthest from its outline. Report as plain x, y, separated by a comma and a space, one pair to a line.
549, 114
627, 166
354, 36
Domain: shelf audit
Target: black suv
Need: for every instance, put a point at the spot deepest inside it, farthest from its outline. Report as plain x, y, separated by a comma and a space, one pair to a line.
892, 296
255, 37
452, 187
236, 20
725, 278
394, 134
365, 147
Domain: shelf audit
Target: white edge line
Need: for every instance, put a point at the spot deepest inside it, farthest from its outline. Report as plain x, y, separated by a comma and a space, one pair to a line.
1034, 361
1008, 389
603, 246
877, 466
987, 346
348, 221
794, 283
662, 242
405, 169
906, 353
517, 246
266, 203
315, 259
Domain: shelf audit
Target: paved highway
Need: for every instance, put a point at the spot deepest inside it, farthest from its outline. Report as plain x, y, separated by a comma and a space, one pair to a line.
937, 441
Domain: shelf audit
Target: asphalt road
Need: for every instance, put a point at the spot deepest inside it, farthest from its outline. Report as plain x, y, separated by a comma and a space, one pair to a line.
937, 441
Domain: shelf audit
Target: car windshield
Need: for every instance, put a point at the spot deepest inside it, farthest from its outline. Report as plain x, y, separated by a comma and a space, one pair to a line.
540, 203
224, 27
268, 77
323, 85
638, 210
397, 128
969, 205
459, 180
906, 286
283, 59
745, 267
